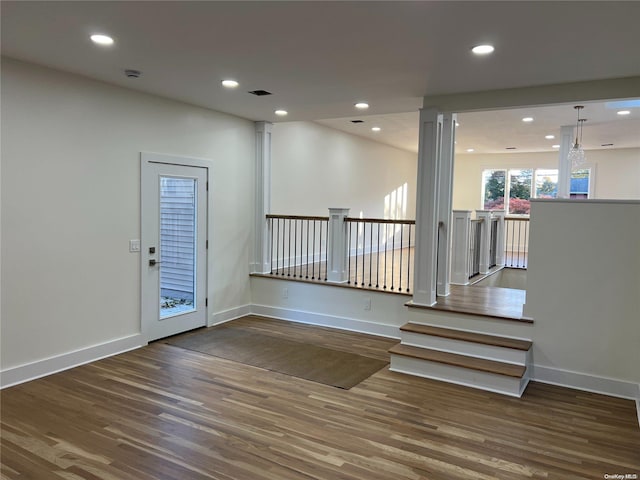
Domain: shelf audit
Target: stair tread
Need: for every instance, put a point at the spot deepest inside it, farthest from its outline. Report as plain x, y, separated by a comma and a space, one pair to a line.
467, 336
480, 364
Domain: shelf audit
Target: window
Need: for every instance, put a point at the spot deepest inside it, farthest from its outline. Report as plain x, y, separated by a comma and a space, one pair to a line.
546, 183
522, 184
580, 183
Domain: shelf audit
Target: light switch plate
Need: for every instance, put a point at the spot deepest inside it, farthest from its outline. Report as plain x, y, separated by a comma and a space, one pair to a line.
134, 245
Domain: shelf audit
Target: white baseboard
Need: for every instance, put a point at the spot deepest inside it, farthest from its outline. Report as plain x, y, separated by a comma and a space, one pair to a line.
341, 323
586, 382
227, 315
48, 366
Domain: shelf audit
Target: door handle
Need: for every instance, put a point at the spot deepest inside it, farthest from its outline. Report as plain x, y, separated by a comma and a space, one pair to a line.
153, 262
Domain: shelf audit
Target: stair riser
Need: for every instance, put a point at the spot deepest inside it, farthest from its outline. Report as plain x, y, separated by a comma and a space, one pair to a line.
472, 323
461, 376
491, 352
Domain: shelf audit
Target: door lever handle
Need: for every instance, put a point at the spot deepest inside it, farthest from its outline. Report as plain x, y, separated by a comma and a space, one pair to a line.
153, 262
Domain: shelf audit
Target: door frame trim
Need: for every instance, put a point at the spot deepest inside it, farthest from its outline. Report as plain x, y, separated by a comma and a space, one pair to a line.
147, 158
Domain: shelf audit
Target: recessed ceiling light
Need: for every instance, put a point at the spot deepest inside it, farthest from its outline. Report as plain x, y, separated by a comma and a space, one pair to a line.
527, 119
470, 150
102, 39
555, 146
281, 113
482, 49
457, 124
230, 83
362, 105
549, 137
624, 112
375, 129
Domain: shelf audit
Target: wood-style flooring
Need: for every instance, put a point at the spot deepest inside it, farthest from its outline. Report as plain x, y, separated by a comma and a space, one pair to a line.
497, 302
165, 413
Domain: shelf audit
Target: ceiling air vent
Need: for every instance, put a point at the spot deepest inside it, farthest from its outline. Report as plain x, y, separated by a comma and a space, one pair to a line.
510, 148
357, 121
260, 93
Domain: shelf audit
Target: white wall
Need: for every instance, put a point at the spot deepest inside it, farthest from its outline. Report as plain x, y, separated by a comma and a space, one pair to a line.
617, 173
315, 167
71, 202
583, 287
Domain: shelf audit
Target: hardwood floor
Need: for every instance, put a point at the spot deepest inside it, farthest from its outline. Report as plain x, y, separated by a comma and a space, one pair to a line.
164, 413
497, 302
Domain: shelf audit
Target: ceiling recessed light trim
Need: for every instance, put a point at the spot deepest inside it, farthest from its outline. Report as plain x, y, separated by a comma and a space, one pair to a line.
549, 137
361, 105
469, 150
229, 83
527, 119
101, 39
624, 112
375, 129
281, 113
484, 49
555, 146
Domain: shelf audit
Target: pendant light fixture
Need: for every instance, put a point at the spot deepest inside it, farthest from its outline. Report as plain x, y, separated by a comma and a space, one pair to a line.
576, 155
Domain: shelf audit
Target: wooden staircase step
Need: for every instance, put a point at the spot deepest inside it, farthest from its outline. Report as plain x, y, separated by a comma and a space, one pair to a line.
473, 363
467, 336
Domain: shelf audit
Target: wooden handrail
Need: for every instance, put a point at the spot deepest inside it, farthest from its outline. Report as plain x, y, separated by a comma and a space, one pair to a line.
296, 217
517, 219
379, 220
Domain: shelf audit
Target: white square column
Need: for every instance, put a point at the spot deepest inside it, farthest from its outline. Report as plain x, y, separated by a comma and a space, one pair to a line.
262, 206
427, 195
445, 203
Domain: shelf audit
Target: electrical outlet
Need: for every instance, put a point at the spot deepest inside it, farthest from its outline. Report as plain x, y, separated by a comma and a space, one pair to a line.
134, 245
367, 303
285, 293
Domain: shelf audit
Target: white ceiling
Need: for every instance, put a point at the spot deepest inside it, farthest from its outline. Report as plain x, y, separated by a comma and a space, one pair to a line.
496, 131
319, 58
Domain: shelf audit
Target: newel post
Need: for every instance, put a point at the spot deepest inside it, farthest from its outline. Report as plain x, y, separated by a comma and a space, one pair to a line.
337, 248
461, 223
485, 239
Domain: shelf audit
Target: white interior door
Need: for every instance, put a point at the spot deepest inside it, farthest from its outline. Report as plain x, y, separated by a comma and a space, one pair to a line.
173, 248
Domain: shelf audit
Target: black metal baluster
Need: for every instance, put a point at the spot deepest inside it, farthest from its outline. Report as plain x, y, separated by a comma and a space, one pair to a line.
313, 265
355, 280
271, 229
295, 245
401, 247
370, 249
326, 255
378, 259
307, 271
282, 269
409, 259
364, 247
320, 253
519, 228
349, 252
386, 242
393, 255
289, 254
